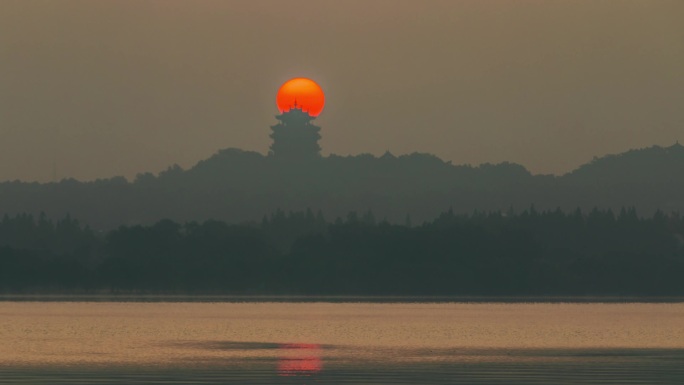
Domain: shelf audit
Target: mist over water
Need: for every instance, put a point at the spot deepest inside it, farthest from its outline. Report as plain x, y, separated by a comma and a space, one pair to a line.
84, 342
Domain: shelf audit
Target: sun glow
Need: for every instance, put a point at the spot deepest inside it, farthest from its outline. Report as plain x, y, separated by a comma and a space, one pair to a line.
302, 92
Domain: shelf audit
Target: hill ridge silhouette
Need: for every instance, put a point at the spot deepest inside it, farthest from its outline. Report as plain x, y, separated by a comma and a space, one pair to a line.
237, 185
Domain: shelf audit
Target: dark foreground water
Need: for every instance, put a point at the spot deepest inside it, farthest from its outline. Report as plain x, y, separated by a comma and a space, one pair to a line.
341, 343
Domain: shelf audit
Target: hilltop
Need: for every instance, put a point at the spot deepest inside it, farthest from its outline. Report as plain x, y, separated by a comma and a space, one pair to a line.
241, 186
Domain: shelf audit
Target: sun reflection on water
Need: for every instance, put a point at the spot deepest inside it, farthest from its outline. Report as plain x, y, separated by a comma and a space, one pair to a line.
299, 359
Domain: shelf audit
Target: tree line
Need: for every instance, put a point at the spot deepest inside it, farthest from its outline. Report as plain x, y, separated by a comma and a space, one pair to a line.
533, 252
237, 186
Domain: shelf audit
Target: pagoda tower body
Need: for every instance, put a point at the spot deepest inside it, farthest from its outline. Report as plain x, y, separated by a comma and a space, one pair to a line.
295, 137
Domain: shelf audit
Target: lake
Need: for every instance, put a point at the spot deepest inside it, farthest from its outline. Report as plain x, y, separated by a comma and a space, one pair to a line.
66, 342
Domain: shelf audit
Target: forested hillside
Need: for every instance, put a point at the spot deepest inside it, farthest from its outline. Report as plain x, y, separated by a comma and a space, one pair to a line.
237, 186
500, 253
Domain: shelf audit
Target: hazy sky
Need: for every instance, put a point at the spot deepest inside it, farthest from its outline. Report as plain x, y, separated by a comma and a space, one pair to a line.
103, 88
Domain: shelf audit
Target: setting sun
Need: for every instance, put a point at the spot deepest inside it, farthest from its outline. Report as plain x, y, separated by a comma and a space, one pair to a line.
303, 92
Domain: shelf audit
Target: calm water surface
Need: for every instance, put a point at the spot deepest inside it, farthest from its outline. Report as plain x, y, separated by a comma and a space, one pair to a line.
330, 343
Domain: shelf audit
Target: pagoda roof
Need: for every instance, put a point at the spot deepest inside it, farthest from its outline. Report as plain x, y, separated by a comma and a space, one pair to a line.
295, 113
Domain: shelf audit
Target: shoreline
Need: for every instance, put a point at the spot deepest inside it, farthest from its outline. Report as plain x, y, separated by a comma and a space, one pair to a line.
132, 297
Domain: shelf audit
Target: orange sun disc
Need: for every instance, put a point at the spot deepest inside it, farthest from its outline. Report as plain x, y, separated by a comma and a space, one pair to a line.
306, 93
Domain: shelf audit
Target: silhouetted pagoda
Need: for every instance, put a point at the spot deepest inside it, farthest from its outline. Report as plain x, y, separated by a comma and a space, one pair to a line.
295, 137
